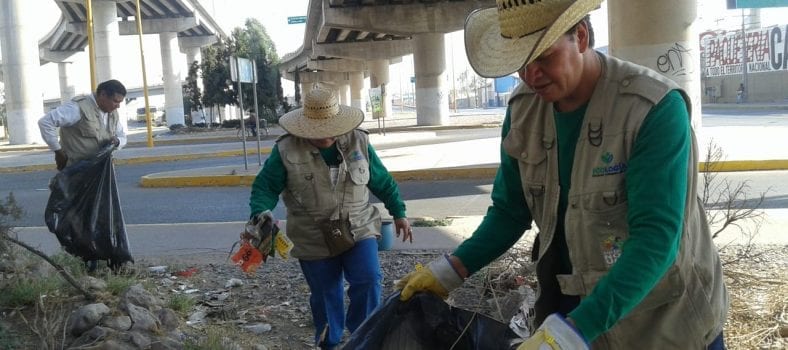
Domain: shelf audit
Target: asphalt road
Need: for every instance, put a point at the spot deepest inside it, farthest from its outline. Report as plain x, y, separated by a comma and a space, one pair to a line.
434, 199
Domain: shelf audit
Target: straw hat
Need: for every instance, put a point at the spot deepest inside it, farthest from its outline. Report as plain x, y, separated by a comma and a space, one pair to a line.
321, 117
499, 41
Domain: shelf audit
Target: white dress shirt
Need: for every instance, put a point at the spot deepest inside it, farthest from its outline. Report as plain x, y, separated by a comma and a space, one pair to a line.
67, 115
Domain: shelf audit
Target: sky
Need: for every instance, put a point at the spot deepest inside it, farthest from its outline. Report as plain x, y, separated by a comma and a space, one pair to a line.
289, 37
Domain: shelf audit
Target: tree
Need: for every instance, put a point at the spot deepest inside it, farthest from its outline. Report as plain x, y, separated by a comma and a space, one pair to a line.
192, 97
3, 113
252, 42
217, 91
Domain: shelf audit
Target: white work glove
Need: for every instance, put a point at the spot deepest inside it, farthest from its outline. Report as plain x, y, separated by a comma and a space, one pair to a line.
556, 333
438, 278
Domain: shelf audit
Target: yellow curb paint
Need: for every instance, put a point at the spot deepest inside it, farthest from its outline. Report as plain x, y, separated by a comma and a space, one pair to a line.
169, 158
744, 165
197, 181
445, 174
28, 168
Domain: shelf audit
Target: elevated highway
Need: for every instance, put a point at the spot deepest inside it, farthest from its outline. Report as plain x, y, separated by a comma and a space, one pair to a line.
348, 40
182, 25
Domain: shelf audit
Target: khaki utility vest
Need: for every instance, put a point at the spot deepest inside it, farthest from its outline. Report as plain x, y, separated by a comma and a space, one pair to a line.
85, 138
687, 308
310, 197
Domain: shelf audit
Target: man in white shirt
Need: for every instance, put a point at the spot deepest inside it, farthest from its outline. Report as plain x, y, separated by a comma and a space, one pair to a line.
86, 124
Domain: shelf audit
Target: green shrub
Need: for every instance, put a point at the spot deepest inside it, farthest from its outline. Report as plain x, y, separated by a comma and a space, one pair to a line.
25, 291
180, 302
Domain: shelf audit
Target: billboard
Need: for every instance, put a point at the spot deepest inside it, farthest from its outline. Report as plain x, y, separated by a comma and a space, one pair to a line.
755, 4
722, 51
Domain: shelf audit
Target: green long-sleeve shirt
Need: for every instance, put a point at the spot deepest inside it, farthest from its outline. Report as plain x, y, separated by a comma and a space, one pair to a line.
656, 184
272, 180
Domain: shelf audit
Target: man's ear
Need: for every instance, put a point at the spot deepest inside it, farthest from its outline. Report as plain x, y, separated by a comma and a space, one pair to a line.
582, 36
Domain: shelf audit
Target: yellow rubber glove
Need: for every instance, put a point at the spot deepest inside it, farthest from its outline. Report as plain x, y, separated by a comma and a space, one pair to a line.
438, 278
555, 334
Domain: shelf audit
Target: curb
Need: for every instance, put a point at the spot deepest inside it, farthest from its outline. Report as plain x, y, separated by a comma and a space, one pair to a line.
470, 173
143, 160
465, 173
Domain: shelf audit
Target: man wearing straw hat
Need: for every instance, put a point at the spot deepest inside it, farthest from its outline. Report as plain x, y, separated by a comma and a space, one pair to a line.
325, 168
599, 153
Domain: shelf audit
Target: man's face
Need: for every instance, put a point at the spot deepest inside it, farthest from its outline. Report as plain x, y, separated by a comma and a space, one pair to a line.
556, 73
322, 143
109, 103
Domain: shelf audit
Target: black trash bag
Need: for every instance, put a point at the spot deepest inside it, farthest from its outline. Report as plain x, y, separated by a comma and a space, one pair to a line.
84, 211
427, 322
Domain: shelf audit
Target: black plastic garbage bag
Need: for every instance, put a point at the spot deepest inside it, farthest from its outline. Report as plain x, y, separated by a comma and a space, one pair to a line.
427, 322
84, 211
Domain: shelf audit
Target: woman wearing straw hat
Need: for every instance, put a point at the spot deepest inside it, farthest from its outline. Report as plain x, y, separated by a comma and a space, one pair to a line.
600, 155
325, 167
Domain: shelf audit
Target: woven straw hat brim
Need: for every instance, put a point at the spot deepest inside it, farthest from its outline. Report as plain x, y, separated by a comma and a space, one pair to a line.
348, 118
491, 55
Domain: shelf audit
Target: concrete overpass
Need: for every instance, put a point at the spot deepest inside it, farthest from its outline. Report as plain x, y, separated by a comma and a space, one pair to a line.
182, 25
347, 40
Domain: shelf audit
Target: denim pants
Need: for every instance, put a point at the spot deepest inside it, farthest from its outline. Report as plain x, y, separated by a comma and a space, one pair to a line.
361, 268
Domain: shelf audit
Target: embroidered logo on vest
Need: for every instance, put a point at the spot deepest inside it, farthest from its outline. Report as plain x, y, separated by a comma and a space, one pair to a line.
356, 156
609, 168
611, 249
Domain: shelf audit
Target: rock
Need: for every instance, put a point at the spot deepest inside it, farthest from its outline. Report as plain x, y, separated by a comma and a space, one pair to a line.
168, 318
120, 323
86, 318
142, 319
93, 284
258, 328
137, 295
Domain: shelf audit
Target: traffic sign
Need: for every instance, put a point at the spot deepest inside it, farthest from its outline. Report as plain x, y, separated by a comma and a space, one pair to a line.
296, 19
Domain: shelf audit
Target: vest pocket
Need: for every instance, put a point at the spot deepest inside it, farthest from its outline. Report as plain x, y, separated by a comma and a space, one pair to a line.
302, 188
596, 236
359, 172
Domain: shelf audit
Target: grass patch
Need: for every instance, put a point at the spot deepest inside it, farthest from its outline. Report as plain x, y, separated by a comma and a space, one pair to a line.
72, 264
430, 222
25, 291
180, 302
7, 339
117, 284
214, 339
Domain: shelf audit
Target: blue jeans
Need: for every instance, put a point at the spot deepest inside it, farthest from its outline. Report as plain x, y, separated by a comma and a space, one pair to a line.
718, 343
361, 268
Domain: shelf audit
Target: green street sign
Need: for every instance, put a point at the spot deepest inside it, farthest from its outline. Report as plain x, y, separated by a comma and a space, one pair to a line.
296, 19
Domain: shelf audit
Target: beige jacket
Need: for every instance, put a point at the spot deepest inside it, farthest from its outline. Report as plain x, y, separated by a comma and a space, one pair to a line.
687, 308
85, 138
310, 196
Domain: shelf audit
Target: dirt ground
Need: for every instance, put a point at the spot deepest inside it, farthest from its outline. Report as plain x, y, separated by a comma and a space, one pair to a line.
269, 309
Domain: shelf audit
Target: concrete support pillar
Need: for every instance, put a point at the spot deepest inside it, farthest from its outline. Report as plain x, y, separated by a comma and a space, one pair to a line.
106, 37
66, 86
193, 54
344, 93
24, 104
379, 77
429, 64
173, 93
357, 90
672, 50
